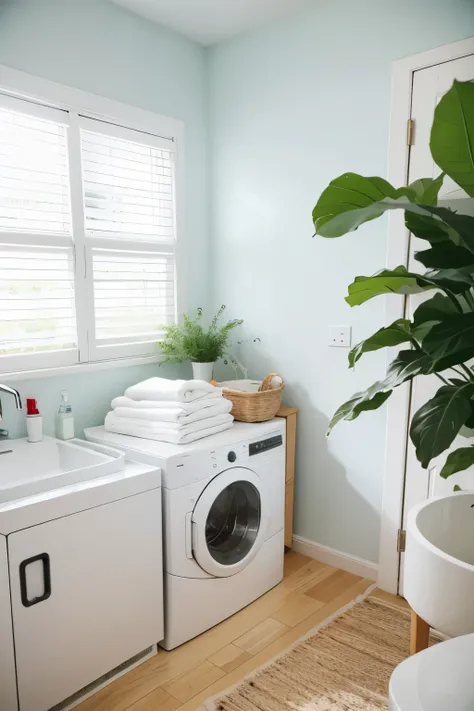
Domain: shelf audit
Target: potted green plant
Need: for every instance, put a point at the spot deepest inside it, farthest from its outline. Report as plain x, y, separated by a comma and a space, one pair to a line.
439, 339
202, 346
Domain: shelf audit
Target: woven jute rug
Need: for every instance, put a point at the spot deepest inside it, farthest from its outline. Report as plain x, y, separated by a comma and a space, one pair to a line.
343, 665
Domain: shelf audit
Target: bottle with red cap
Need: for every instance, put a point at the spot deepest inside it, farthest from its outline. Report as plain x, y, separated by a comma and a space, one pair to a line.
34, 421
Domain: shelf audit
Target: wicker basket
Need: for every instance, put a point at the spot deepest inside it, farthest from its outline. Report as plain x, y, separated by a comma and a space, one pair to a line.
256, 407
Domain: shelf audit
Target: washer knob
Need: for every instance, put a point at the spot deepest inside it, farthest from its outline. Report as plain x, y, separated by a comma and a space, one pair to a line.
232, 456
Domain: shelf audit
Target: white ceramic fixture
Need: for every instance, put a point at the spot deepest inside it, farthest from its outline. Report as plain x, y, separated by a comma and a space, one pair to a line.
29, 468
203, 371
223, 508
81, 588
439, 563
438, 679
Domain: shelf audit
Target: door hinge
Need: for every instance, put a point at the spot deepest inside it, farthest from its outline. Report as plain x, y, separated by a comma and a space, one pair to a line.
410, 132
401, 540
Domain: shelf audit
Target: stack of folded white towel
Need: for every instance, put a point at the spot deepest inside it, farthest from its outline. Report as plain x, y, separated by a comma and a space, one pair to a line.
178, 411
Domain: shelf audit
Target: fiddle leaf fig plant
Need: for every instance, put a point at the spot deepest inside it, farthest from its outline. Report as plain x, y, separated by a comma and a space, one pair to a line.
439, 339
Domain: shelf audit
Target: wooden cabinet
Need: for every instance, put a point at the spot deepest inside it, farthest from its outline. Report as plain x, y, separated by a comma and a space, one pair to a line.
86, 596
289, 413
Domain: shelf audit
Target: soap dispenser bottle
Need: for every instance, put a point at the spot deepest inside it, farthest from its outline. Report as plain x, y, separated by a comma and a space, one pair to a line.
64, 418
34, 421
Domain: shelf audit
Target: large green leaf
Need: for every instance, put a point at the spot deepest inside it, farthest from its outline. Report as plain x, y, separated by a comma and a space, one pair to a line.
336, 218
373, 398
458, 227
350, 192
406, 365
452, 135
348, 220
366, 198
451, 342
435, 425
426, 190
397, 332
432, 311
470, 421
387, 281
426, 227
445, 255
458, 461
455, 280
401, 281
436, 309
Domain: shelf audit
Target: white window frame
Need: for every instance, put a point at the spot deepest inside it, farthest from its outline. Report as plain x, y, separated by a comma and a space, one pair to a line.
83, 104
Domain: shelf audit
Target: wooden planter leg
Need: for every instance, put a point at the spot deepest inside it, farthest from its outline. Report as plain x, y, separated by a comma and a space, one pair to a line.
420, 634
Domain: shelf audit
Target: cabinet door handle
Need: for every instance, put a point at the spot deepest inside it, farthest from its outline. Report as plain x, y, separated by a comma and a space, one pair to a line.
44, 558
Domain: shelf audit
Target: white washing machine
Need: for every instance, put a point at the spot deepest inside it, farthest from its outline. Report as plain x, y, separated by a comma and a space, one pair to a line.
223, 518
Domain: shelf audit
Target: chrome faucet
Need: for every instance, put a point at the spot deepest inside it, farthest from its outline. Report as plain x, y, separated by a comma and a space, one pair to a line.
16, 395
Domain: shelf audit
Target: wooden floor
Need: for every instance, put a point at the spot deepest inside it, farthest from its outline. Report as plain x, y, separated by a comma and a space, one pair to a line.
187, 676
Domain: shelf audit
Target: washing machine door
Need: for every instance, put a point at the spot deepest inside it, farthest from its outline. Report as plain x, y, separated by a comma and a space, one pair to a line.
229, 522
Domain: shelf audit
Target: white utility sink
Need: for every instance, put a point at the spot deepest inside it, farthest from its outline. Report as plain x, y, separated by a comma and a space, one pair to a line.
28, 468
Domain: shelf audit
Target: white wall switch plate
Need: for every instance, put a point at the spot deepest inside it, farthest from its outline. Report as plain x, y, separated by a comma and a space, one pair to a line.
340, 336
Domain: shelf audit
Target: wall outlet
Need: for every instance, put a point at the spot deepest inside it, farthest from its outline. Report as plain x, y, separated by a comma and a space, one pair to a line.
340, 336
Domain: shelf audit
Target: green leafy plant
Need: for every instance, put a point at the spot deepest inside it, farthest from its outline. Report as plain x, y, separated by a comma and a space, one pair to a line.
191, 341
439, 339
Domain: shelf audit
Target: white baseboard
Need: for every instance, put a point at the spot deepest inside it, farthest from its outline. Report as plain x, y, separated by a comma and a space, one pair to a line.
329, 556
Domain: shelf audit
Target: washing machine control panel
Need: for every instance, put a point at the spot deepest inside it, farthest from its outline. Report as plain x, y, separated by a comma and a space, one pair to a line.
265, 444
241, 452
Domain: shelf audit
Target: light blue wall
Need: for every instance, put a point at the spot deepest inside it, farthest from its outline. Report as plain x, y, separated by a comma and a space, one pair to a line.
98, 47
293, 106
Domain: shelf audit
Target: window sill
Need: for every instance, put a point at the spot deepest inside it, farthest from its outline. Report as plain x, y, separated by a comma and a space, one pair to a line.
79, 368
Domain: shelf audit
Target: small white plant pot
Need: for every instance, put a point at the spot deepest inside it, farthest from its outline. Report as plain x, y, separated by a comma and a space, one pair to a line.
203, 371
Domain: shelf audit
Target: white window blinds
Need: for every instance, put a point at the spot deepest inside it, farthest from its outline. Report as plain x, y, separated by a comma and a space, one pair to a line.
128, 186
133, 294
37, 313
128, 180
87, 238
36, 299
34, 178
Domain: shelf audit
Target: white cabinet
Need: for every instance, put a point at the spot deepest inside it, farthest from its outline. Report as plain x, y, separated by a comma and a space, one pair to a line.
8, 697
86, 595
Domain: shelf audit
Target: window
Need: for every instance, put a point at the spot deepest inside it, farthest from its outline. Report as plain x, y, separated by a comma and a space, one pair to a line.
87, 238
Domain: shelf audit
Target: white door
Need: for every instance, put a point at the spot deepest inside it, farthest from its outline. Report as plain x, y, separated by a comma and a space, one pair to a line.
229, 522
429, 85
86, 596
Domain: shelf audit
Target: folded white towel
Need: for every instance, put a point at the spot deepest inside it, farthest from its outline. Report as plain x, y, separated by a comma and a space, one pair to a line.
157, 426
177, 390
174, 414
210, 400
181, 436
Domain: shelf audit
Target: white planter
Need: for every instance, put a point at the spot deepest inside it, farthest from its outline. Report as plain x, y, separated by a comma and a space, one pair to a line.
203, 371
439, 563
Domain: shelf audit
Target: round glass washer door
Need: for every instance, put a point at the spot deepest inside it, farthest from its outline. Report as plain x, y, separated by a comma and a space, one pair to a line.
229, 522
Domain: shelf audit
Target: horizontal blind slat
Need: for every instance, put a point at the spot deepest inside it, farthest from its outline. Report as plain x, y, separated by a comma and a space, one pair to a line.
34, 174
133, 294
37, 311
128, 187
